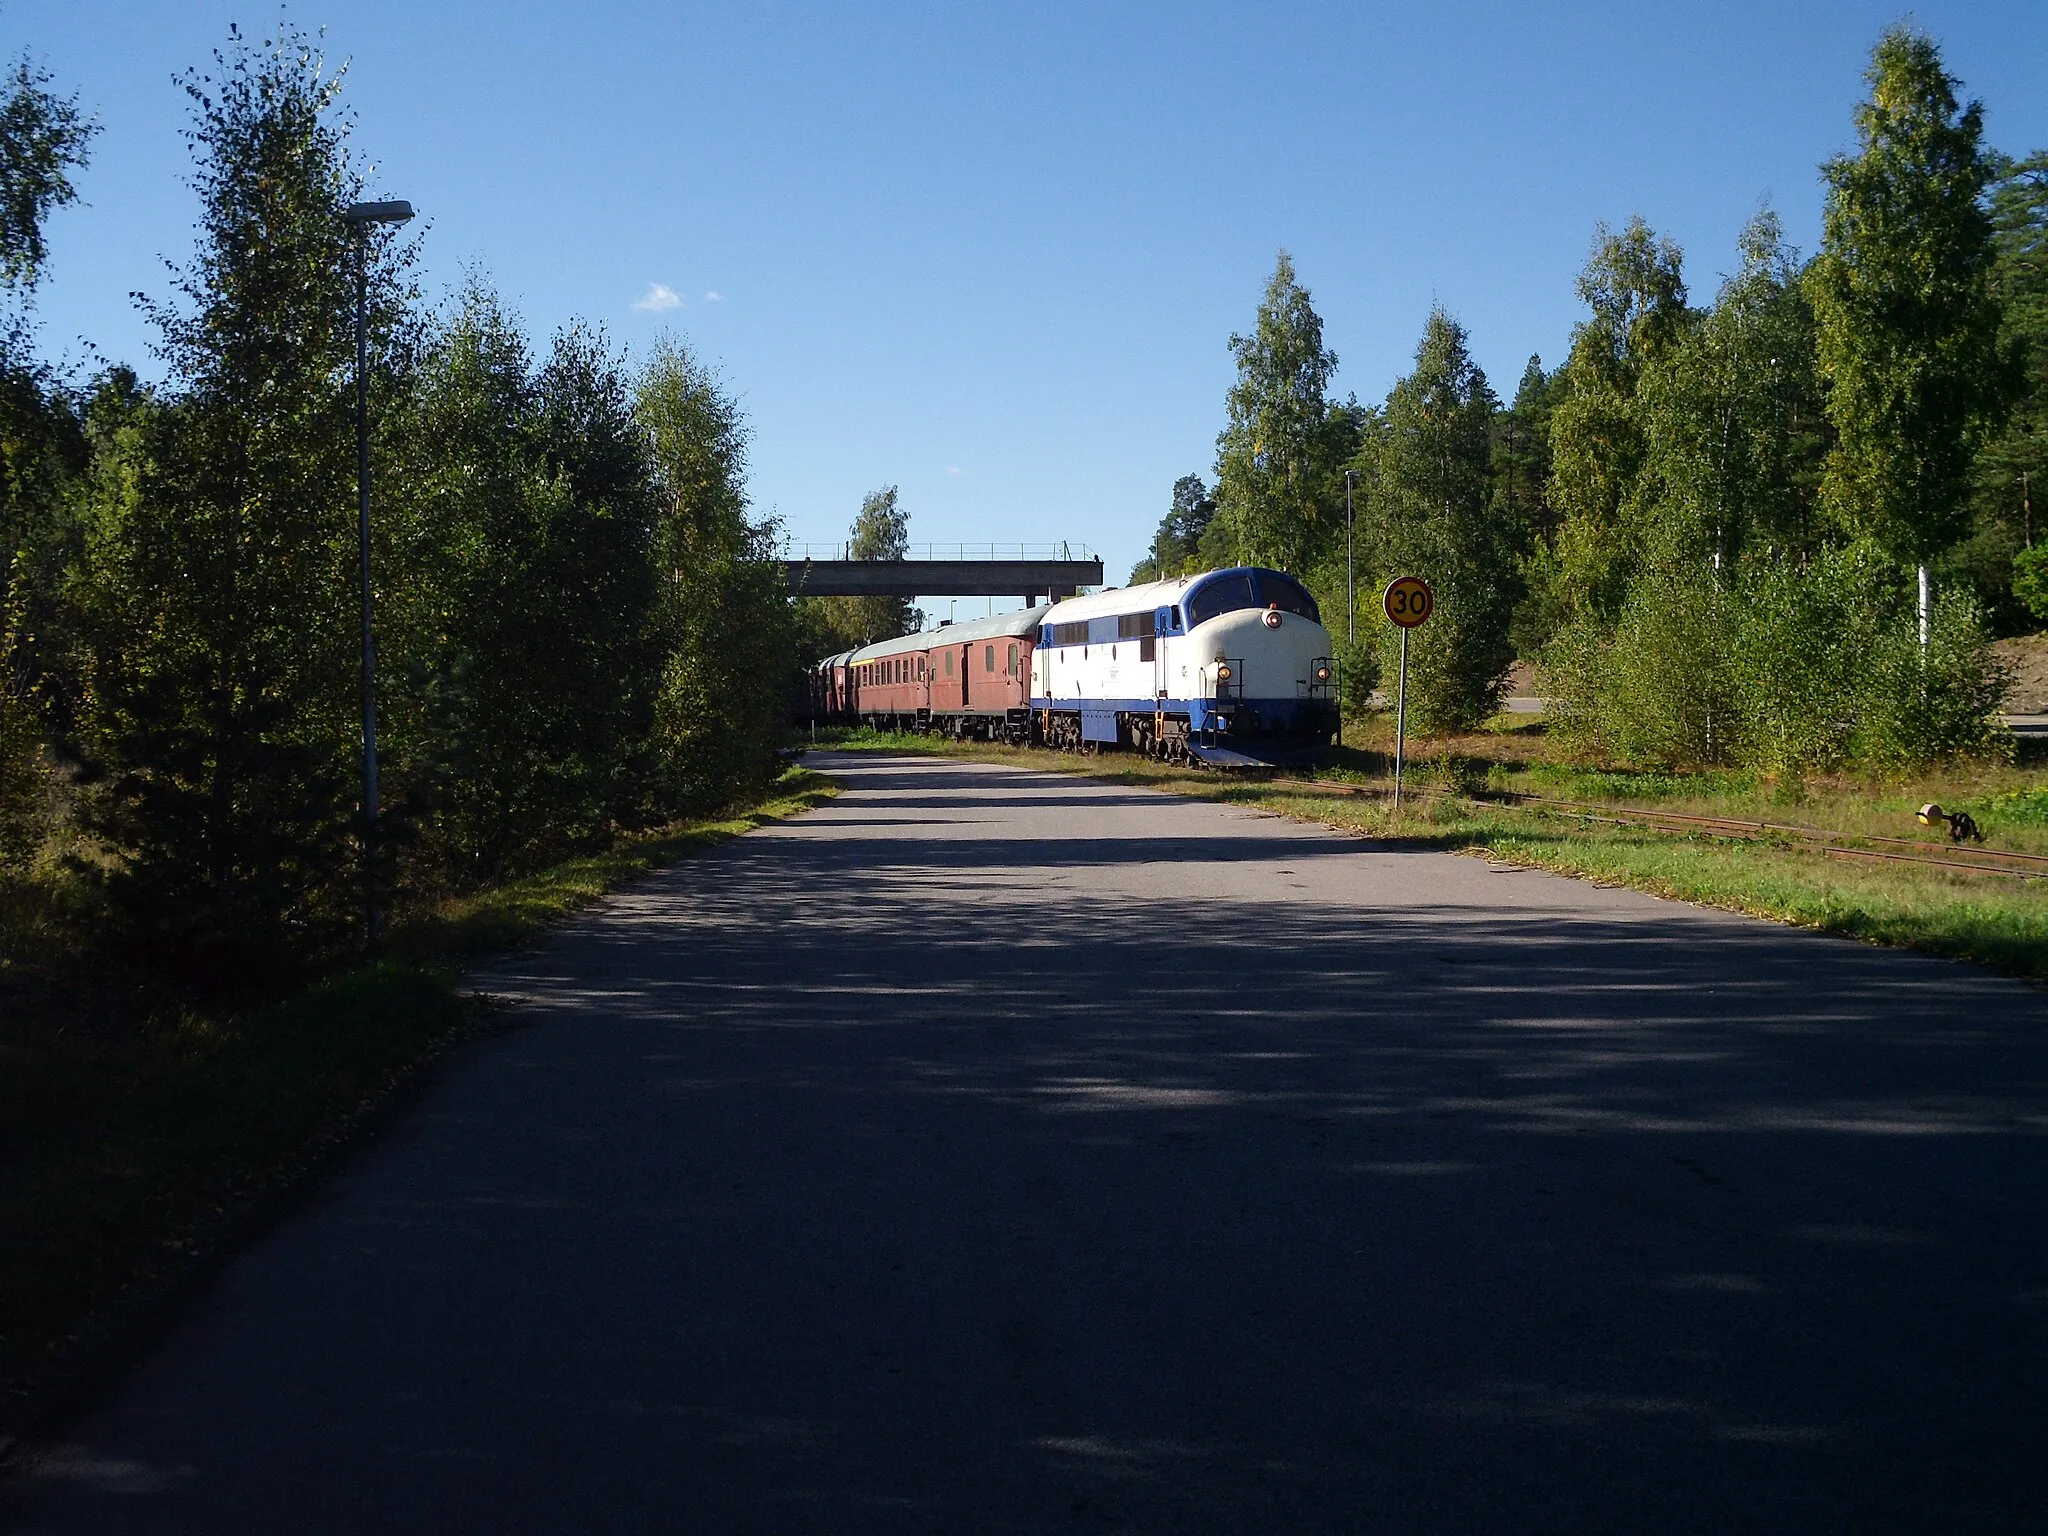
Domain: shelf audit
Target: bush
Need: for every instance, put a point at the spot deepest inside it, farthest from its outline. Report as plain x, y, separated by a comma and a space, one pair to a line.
1665, 693
1787, 669
2030, 580
1358, 674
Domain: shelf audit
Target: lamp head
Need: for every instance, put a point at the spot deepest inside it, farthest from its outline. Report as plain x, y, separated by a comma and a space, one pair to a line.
362, 215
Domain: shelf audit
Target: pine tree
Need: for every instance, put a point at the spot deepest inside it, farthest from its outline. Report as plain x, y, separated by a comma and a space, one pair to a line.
2012, 468
1433, 516
1177, 544
218, 581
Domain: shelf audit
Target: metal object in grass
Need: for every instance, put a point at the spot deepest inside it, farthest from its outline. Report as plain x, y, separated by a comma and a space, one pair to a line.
1962, 826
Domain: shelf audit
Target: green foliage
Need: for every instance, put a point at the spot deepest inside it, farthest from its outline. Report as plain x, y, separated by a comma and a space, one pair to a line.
581, 631
217, 582
43, 139
1358, 671
2013, 464
1709, 465
1731, 416
880, 531
1783, 667
1281, 456
1907, 325
1432, 515
2030, 580
1521, 459
726, 629
1635, 287
1652, 687
521, 587
1176, 547
2018, 807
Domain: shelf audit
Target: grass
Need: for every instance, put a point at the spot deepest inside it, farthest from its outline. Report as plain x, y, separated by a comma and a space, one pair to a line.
1988, 920
139, 1138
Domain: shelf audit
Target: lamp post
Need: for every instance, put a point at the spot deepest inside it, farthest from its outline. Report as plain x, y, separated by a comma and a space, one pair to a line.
360, 216
1350, 582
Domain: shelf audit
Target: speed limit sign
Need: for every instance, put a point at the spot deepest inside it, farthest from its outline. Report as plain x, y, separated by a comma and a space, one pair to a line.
1409, 600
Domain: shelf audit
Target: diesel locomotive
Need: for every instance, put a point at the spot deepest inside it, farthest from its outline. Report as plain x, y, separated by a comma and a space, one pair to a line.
1230, 667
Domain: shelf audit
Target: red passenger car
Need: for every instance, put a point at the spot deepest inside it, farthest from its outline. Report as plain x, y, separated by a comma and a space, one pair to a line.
970, 680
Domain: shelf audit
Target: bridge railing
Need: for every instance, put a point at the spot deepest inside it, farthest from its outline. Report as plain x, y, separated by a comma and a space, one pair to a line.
794, 552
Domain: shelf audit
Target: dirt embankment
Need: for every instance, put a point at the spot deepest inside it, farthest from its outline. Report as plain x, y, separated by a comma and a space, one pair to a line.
2026, 658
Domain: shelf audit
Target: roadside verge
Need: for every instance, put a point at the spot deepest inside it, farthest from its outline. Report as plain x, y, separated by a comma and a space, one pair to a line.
1995, 922
143, 1147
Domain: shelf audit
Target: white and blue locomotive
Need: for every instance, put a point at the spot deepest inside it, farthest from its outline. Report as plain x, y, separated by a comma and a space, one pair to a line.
1227, 667
1230, 667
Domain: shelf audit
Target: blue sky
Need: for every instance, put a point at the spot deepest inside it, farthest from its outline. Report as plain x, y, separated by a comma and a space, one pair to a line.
993, 254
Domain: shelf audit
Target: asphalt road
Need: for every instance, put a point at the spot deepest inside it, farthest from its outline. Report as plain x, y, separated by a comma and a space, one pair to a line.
993, 1151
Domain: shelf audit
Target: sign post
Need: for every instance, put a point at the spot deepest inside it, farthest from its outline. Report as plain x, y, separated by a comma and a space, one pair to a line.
1408, 601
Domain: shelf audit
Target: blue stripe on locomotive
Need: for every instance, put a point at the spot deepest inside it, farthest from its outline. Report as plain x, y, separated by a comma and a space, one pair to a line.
1098, 716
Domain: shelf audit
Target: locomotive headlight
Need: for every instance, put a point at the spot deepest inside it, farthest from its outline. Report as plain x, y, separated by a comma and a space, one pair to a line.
1271, 618
1222, 674
1322, 674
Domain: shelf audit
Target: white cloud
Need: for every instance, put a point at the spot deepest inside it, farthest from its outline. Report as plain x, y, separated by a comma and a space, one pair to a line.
659, 297
714, 297
954, 471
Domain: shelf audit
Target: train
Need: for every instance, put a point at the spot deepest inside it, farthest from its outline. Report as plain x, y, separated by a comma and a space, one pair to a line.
1228, 668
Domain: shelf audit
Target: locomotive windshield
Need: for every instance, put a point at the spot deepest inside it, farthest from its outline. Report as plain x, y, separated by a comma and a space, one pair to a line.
1220, 594
1285, 593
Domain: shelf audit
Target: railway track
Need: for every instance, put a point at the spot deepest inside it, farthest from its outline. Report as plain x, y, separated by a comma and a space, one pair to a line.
1973, 859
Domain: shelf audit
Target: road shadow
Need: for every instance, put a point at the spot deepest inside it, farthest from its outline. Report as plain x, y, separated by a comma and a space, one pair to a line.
845, 1180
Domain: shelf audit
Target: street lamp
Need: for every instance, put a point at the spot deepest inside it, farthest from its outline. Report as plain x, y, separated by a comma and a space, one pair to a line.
360, 216
1350, 582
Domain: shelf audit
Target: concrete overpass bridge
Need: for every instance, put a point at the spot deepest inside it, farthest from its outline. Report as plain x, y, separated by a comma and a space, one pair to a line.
1033, 572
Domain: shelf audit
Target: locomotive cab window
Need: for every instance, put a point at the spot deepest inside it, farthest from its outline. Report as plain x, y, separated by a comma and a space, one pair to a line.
1221, 595
1013, 661
949, 663
988, 658
1287, 595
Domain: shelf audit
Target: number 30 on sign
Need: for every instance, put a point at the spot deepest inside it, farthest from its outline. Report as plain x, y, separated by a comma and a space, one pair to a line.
1409, 601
